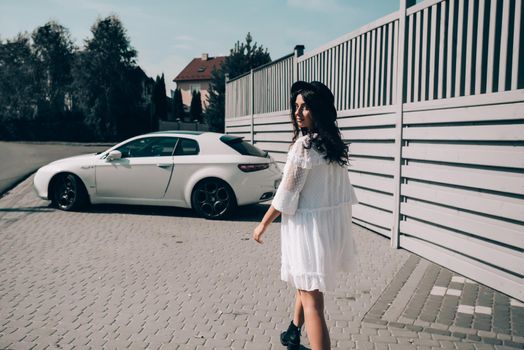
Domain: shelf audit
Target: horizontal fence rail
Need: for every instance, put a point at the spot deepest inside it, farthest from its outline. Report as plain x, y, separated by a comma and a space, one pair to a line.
430, 100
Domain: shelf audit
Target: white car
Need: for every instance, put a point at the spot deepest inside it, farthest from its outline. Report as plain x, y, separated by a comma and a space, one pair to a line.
209, 172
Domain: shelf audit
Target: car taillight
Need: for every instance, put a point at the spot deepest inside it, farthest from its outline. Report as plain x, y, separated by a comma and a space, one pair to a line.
247, 168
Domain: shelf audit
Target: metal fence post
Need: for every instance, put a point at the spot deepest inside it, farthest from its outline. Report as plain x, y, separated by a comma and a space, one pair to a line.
399, 101
252, 106
227, 107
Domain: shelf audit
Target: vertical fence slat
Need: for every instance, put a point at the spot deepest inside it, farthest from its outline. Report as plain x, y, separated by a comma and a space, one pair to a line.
276, 94
432, 53
332, 68
416, 75
382, 66
316, 72
372, 69
425, 44
409, 66
274, 90
391, 64
396, 53
504, 45
450, 49
336, 77
516, 43
322, 67
354, 72
491, 46
358, 81
367, 63
362, 70
469, 44
480, 42
282, 80
458, 63
378, 65
442, 33
345, 79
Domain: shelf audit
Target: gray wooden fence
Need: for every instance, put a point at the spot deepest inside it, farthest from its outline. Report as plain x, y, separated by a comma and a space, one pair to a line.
437, 157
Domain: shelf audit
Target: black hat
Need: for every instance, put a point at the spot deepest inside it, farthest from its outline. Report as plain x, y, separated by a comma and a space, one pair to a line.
315, 86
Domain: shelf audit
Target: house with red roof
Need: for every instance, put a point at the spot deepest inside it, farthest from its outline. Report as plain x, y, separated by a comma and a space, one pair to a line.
196, 76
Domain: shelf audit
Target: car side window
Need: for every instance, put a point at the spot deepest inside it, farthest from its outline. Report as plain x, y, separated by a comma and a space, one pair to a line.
149, 147
187, 147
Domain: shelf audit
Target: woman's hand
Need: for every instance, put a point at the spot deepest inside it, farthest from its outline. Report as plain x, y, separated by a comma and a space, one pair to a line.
258, 232
271, 215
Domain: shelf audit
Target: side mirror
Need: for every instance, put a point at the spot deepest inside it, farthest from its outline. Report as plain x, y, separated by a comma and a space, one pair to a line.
113, 155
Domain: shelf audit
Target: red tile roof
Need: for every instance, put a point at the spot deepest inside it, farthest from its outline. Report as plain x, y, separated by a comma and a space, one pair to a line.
198, 69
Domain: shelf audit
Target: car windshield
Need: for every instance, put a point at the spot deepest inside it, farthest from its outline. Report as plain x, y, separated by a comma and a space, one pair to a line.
243, 147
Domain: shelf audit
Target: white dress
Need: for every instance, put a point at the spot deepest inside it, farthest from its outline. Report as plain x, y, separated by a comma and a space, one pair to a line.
315, 199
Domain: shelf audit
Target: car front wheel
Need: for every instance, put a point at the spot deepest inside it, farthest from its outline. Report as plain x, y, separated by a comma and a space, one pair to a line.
213, 199
68, 192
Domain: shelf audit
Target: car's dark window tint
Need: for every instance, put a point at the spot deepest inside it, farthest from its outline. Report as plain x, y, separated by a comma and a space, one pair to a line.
149, 147
187, 147
243, 147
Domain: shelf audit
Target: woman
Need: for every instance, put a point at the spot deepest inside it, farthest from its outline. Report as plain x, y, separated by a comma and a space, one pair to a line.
314, 198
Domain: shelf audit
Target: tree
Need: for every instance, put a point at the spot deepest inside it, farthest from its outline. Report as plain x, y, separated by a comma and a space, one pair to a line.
54, 52
159, 98
242, 58
112, 105
18, 89
178, 105
195, 108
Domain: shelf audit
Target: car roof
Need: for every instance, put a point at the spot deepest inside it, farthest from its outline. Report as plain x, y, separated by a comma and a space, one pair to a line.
178, 132
206, 139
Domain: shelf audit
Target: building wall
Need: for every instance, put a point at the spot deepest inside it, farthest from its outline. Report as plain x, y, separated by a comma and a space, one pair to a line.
187, 87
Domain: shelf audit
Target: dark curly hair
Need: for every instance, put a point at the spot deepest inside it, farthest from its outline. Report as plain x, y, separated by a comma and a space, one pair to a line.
325, 135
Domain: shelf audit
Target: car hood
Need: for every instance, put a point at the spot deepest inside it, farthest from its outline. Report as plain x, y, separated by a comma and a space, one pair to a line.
81, 159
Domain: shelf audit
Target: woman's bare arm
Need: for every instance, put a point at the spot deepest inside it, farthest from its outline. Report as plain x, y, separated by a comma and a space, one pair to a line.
269, 217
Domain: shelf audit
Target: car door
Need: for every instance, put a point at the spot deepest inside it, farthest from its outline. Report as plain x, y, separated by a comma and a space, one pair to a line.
186, 162
143, 172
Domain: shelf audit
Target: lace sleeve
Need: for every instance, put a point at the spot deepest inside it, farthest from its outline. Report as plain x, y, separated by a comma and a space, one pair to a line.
293, 180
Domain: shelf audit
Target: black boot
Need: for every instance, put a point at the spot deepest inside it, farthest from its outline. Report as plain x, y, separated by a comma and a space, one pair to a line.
291, 337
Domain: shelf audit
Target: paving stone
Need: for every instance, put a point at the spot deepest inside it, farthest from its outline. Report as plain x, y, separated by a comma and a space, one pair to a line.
383, 339
114, 277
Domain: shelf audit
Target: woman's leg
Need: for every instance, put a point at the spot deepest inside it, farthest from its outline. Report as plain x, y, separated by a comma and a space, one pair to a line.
298, 316
317, 331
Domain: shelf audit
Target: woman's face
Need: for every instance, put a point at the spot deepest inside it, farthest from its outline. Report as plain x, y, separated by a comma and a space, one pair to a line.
302, 113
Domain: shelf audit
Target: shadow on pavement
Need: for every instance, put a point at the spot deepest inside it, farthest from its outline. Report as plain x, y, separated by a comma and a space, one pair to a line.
248, 213
28, 209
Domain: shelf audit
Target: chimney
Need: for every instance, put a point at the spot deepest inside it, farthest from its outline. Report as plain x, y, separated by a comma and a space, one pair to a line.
205, 57
299, 50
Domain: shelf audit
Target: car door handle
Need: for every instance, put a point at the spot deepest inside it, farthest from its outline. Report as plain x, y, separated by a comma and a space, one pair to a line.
164, 165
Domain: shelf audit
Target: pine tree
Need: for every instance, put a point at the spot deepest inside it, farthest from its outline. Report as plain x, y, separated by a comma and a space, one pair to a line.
159, 98
195, 109
242, 58
178, 106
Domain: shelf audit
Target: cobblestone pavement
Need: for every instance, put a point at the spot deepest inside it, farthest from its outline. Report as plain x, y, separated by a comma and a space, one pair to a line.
122, 277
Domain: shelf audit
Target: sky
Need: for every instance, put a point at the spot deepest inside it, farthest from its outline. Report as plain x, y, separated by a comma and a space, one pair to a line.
169, 34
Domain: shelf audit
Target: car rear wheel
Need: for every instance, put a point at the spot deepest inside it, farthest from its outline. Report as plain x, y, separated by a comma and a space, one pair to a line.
213, 199
68, 192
